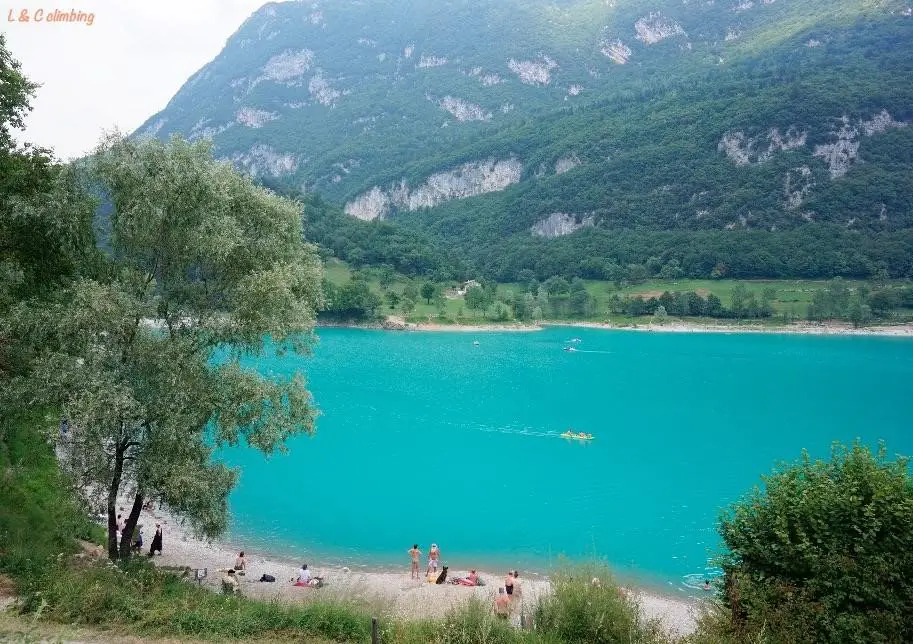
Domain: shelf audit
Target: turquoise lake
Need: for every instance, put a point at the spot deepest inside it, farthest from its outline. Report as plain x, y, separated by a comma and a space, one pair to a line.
426, 437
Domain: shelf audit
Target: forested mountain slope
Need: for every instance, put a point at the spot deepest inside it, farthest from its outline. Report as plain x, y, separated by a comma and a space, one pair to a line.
571, 136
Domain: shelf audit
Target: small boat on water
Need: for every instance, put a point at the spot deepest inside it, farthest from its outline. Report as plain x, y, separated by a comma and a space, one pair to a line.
569, 349
476, 343
575, 340
580, 436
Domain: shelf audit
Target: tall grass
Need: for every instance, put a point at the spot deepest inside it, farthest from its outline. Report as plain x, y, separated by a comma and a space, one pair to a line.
581, 612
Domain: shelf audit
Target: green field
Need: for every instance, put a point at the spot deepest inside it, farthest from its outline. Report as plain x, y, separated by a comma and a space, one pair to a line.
791, 302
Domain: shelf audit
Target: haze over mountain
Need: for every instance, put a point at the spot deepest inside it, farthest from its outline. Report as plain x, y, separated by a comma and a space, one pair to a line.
757, 138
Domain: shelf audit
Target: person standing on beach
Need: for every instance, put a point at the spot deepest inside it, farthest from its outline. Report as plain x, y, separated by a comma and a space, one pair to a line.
156, 540
434, 554
509, 584
416, 556
518, 591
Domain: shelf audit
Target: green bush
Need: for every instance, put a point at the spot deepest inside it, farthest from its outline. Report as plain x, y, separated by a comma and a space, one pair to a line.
39, 516
824, 552
579, 612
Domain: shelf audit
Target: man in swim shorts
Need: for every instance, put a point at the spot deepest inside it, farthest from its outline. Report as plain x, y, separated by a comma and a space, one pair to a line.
416, 556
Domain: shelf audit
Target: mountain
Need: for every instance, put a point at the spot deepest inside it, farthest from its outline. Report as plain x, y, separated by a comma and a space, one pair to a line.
741, 137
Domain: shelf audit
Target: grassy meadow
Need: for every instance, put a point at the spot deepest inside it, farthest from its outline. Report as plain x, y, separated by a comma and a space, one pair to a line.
791, 303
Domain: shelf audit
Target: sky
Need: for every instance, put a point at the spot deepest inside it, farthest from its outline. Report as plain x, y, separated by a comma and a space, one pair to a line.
117, 72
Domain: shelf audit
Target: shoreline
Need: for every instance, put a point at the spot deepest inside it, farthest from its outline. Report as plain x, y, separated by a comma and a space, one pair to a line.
804, 328
389, 592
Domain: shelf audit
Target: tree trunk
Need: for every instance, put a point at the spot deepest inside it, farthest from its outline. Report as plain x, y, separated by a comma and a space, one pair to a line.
113, 490
126, 537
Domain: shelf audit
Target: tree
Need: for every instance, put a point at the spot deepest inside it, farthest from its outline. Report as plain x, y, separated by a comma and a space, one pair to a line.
859, 313
407, 305
410, 291
637, 273
660, 317
392, 300
824, 551
714, 306
671, 270
556, 285
428, 291
768, 296
200, 259
579, 298
739, 303
477, 298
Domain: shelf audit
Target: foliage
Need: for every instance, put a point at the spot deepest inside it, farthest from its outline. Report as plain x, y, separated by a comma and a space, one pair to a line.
580, 612
214, 260
824, 551
39, 515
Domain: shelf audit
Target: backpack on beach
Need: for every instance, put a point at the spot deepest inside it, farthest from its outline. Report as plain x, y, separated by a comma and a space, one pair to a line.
266, 577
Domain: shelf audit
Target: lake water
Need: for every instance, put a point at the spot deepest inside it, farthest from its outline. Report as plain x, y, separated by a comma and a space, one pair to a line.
425, 437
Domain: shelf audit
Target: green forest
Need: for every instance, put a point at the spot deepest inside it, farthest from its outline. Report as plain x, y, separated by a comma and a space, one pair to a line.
812, 96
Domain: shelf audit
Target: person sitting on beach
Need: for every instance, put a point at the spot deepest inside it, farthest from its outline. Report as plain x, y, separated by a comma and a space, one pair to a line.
241, 562
416, 556
706, 584
434, 555
304, 576
230, 585
502, 604
472, 579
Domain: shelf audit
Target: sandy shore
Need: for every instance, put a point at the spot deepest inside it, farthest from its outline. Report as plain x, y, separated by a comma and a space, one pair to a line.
389, 593
899, 330
804, 328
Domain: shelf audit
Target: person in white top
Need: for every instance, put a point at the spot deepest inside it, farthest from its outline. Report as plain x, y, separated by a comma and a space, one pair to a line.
304, 576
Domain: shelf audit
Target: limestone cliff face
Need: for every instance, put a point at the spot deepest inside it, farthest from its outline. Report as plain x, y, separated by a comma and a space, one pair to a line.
468, 180
796, 186
462, 110
252, 117
567, 163
842, 153
533, 72
559, 224
616, 51
744, 150
655, 27
262, 160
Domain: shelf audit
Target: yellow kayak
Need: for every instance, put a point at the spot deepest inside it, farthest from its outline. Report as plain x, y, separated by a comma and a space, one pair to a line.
580, 436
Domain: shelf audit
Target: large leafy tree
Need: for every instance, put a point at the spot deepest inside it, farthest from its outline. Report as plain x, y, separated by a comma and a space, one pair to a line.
824, 552
45, 223
199, 259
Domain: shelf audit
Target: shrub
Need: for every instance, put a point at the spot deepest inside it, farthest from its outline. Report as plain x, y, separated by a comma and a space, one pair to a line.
578, 612
824, 552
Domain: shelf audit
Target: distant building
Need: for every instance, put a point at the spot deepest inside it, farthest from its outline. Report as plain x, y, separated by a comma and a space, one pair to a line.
465, 286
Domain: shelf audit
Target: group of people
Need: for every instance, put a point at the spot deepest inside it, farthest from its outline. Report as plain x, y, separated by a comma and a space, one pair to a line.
507, 595
137, 544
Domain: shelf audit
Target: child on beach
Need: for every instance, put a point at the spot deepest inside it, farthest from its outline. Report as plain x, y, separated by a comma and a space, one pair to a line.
433, 556
502, 604
416, 556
